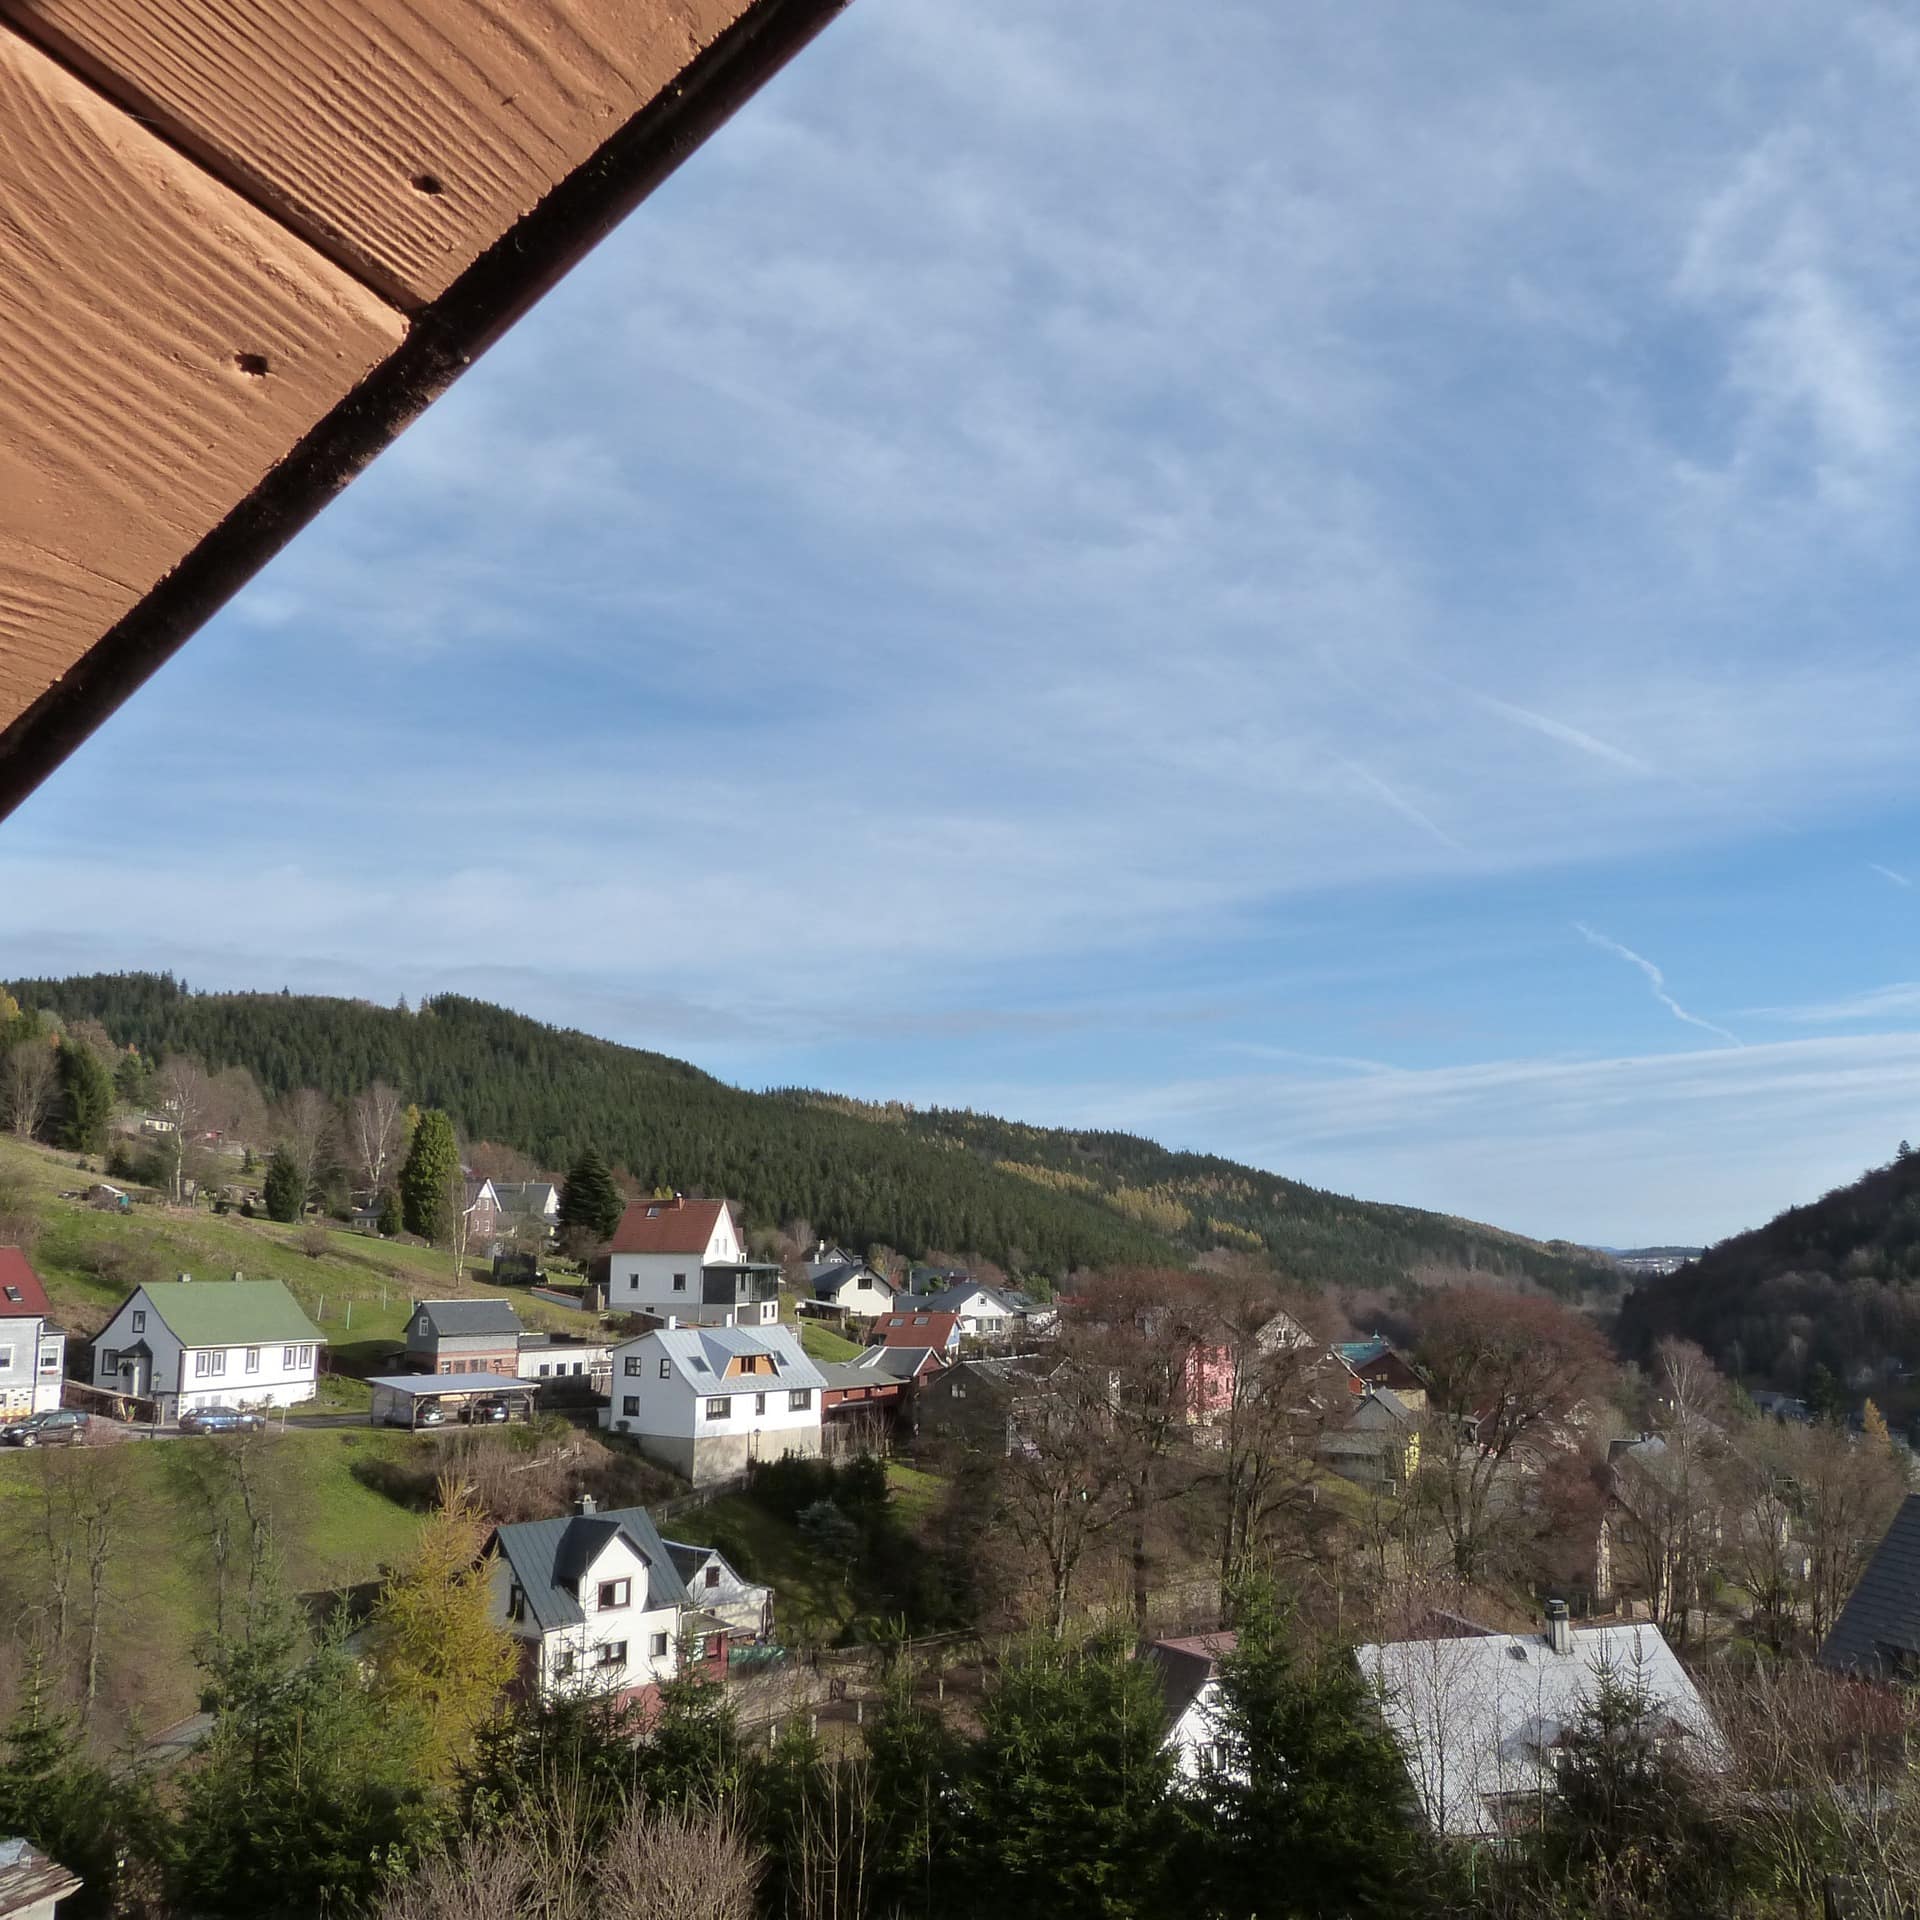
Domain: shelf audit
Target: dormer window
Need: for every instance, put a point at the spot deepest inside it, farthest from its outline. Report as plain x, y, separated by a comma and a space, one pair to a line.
615, 1593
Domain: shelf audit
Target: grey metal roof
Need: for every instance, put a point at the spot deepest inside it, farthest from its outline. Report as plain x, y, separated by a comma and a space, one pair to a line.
700, 1356
901, 1363
548, 1556
464, 1318
425, 1386
953, 1299
1881, 1620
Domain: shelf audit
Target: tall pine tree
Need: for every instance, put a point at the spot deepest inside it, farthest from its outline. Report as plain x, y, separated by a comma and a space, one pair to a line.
426, 1180
86, 1099
281, 1188
590, 1204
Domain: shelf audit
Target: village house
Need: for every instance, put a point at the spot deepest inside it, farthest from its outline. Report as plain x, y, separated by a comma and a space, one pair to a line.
1379, 1363
1189, 1674
190, 1343
1480, 1719
852, 1289
32, 1884
744, 1608
989, 1405
707, 1401
526, 1205
463, 1336
566, 1356
914, 1328
1877, 1635
598, 1608
482, 1212
33, 1352
685, 1259
984, 1313
1377, 1445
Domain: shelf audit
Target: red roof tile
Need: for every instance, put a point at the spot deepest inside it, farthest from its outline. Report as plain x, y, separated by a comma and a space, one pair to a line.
917, 1329
21, 1293
667, 1226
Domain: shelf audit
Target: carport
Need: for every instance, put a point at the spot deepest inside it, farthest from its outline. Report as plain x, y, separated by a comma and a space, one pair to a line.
398, 1397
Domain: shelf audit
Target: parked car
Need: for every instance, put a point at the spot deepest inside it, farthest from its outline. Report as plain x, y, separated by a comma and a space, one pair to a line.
220, 1420
429, 1413
58, 1427
482, 1412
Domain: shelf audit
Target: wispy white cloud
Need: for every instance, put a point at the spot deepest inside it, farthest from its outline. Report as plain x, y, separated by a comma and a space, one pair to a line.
1877, 1003
1887, 873
1567, 735
1656, 980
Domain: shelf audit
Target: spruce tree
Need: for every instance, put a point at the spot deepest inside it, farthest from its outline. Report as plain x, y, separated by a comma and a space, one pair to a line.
590, 1203
281, 1188
86, 1099
392, 1220
426, 1180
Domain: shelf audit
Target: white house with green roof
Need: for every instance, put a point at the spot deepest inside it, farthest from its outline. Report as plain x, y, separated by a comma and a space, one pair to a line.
191, 1343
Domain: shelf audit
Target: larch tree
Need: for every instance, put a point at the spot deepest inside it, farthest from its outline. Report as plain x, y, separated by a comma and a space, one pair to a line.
28, 1074
436, 1650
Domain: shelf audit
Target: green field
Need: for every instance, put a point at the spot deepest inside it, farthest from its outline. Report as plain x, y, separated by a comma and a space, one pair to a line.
357, 1292
329, 1531
820, 1342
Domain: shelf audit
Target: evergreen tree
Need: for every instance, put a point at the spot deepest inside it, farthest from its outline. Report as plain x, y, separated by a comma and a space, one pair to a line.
426, 1180
305, 1795
1066, 1812
1306, 1807
281, 1188
133, 1079
914, 1765
1824, 1399
436, 1651
86, 1099
590, 1204
391, 1220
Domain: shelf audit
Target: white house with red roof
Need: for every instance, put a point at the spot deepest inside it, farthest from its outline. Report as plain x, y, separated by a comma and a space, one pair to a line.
33, 1352
686, 1260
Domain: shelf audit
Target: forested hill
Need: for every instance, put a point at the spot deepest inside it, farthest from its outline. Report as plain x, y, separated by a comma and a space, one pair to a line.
1032, 1199
1833, 1284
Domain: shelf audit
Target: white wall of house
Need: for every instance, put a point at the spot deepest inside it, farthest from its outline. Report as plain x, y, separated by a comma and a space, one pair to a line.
615, 1649
651, 1392
32, 1359
1195, 1737
864, 1293
267, 1374
670, 1282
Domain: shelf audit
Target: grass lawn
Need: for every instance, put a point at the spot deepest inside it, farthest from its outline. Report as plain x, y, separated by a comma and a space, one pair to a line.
330, 1531
820, 1342
916, 1493
357, 1292
813, 1602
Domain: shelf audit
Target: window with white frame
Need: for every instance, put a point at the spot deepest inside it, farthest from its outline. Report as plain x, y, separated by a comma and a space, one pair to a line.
209, 1363
759, 1403
139, 1319
615, 1593
6, 1359
611, 1654
306, 1356
49, 1359
253, 1359
287, 1356
109, 1361
658, 1646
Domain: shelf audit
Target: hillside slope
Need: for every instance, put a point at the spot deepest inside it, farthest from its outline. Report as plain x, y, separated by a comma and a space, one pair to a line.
1032, 1199
1835, 1283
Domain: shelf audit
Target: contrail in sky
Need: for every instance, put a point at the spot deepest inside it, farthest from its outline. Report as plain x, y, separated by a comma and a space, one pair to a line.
1656, 980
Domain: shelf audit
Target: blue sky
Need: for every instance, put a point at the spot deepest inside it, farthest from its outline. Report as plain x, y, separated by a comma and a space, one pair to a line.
1330, 585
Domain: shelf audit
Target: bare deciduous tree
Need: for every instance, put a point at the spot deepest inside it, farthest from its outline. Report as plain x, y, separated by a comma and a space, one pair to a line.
183, 1094
376, 1120
1506, 1372
27, 1077
305, 1128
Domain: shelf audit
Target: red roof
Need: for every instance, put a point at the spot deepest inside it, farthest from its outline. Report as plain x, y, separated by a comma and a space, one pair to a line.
21, 1293
667, 1226
917, 1329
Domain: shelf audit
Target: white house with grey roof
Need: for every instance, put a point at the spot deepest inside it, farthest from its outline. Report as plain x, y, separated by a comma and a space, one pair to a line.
1480, 1721
597, 1606
742, 1606
190, 1343
706, 1401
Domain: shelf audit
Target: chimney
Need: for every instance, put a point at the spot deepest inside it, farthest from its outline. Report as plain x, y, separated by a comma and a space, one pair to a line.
673, 1321
585, 1505
1559, 1627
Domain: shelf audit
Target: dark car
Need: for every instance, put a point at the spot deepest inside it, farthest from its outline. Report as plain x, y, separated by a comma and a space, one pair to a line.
484, 1412
220, 1420
55, 1428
